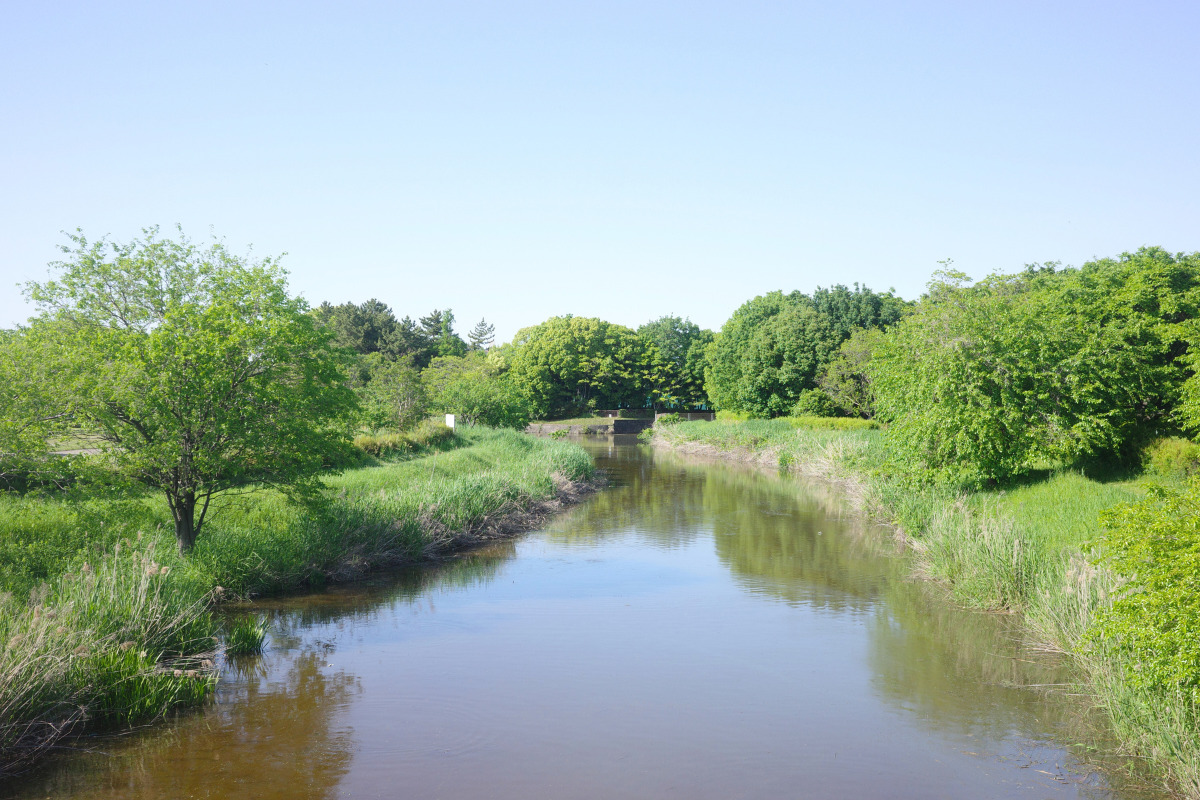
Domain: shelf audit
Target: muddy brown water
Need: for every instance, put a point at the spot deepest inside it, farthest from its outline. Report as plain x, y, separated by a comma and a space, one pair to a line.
697, 631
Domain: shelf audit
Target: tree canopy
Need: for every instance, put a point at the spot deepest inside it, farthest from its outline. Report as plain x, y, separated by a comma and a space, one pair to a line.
573, 364
678, 376
195, 367
774, 347
1050, 365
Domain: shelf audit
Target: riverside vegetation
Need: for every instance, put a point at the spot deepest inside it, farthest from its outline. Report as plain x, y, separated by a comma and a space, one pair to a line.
1035, 547
105, 623
999, 423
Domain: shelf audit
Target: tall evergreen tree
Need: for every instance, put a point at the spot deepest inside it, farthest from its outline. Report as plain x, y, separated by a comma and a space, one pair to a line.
482, 335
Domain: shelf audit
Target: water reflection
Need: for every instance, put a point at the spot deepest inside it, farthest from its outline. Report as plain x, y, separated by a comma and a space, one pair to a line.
695, 631
276, 729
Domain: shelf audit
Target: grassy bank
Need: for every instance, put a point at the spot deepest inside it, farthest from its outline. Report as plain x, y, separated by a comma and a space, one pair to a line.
102, 623
1027, 548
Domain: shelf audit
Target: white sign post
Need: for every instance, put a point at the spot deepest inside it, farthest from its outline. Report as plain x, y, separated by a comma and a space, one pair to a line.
449, 420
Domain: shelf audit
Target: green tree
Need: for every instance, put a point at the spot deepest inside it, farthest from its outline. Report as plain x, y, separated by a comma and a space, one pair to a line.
568, 365
29, 411
478, 393
681, 344
773, 348
364, 328
395, 396
482, 335
438, 328
195, 367
1048, 366
846, 379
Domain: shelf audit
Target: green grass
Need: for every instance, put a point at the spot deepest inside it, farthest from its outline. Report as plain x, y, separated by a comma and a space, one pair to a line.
101, 620
1026, 548
245, 637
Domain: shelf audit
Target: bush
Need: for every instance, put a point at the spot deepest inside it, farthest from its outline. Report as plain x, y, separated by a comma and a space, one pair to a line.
429, 434
726, 415
668, 419
1172, 457
814, 403
1155, 621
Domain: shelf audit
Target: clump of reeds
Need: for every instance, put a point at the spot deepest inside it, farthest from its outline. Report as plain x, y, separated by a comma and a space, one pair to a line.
107, 644
246, 636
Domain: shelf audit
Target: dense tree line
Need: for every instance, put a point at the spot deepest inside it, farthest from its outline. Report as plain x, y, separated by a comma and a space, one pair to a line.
202, 374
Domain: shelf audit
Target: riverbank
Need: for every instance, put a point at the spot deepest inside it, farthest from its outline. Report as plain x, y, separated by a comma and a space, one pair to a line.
1025, 549
104, 625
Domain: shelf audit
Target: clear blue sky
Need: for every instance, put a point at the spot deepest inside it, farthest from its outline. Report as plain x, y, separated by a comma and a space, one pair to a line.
621, 159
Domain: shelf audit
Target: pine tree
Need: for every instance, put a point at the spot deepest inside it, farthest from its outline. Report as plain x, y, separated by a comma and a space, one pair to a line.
482, 335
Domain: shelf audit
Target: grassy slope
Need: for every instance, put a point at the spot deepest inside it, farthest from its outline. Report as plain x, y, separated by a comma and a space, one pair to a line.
102, 621
1024, 549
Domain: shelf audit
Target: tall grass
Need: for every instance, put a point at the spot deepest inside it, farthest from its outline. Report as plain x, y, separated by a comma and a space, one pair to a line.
1023, 548
103, 623
110, 644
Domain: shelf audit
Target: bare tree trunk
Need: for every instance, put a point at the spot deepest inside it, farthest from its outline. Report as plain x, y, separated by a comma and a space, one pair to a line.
184, 510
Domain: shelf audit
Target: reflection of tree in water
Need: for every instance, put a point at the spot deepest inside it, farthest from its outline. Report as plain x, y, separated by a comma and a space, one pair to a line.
364, 600
787, 539
662, 506
977, 675
268, 738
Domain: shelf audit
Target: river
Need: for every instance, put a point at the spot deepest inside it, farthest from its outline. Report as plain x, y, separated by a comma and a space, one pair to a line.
698, 630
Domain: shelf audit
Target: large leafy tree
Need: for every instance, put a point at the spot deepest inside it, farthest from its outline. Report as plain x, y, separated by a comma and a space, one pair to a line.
477, 390
196, 368
681, 346
571, 364
772, 350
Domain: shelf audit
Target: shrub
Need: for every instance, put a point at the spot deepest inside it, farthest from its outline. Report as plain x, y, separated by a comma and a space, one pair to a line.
832, 423
668, 419
1155, 545
1173, 457
814, 403
430, 433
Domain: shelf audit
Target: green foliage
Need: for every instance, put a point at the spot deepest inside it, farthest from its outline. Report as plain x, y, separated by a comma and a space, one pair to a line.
429, 434
439, 329
846, 378
196, 369
571, 364
666, 420
365, 328
395, 396
476, 392
775, 346
814, 403
1155, 620
984, 382
831, 423
677, 376
117, 640
245, 636
729, 415
482, 336
1173, 457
